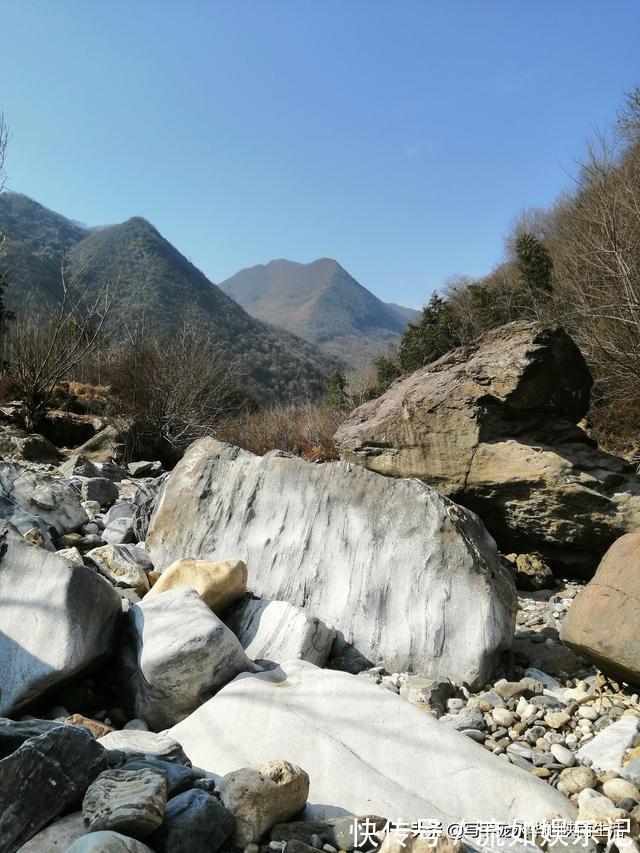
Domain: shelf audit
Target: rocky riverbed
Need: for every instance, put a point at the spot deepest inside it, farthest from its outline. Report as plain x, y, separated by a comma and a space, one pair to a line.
251, 653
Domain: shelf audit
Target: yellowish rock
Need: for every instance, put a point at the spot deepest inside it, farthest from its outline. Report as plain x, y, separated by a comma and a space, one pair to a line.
620, 789
219, 583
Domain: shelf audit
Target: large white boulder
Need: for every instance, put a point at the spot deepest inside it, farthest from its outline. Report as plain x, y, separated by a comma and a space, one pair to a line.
366, 750
176, 655
56, 619
277, 631
406, 576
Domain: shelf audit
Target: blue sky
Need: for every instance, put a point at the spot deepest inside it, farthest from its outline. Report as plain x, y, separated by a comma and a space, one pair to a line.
399, 137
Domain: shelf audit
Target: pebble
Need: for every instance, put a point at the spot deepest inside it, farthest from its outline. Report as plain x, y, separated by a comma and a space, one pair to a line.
563, 755
502, 716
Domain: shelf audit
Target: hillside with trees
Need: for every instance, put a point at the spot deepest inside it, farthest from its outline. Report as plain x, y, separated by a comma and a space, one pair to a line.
153, 291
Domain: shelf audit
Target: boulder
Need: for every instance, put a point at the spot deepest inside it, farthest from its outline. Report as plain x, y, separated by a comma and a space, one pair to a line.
276, 631
107, 841
13, 733
260, 798
102, 447
78, 466
366, 750
102, 490
219, 584
194, 821
607, 749
119, 524
29, 500
140, 744
128, 801
602, 623
177, 654
123, 565
16, 444
43, 778
56, 620
493, 425
396, 584
179, 778
58, 836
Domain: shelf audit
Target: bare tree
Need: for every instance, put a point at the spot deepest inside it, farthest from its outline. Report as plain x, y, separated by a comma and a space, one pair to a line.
171, 391
43, 350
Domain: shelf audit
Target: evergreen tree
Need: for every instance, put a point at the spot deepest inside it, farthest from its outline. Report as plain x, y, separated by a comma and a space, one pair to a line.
534, 263
436, 332
336, 390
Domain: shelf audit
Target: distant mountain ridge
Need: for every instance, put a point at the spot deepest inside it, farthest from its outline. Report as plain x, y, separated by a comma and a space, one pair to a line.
322, 303
157, 286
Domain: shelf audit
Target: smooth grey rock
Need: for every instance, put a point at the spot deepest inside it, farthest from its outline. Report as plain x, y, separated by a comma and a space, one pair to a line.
123, 565
134, 743
118, 523
607, 749
58, 836
107, 841
128, 801
465, 720
29, 500
56, 620
396, 584
194, 821
631, 772
365, 749
177, 654
277, 631
430, 692
144, 469
546, 680
44, 778
99, 489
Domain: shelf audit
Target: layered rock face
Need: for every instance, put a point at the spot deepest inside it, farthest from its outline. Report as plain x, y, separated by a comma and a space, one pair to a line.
493, 425
603, 623
390, 564
393, 758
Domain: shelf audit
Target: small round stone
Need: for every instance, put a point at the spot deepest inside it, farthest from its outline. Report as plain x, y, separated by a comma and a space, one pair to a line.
502, 716
563, 755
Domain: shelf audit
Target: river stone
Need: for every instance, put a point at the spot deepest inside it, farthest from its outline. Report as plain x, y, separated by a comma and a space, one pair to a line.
107, 841
136, 743
29, 500
123, 565
493, 425
277, 631
395, 584
219, 583
194, 821
179, 778
13, 733
607, 749
365, 749
99, 489
56, 620
45, 777
57, 837
260, 797
612, 597
620, 789
576, 779
127, 801
338, 831
178, 653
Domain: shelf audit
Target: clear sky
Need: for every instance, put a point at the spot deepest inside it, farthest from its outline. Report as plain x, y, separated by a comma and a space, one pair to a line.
398, 137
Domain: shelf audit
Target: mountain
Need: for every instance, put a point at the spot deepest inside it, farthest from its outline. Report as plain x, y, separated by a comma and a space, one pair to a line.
156, 287
321, 303
409, 315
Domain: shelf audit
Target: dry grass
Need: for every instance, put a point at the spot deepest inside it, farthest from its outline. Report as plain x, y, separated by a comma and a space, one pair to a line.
305, 429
